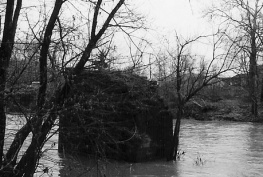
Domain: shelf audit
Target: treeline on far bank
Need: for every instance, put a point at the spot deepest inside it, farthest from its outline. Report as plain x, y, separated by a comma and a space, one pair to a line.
226, 100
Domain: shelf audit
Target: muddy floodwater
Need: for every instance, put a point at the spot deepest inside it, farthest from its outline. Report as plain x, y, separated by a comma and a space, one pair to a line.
209, 149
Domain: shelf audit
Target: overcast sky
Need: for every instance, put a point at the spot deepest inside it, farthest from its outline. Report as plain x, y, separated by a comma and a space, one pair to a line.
184, 16
164, 17
167, 16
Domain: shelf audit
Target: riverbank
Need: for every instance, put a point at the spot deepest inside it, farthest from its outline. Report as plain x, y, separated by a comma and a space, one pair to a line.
234, 109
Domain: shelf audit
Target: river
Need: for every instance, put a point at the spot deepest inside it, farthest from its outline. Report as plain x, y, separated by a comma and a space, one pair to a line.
211, 149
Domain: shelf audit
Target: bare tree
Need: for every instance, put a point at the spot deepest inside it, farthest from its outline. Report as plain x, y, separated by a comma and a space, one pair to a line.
189, 79
7, 43
53, 32
243, 19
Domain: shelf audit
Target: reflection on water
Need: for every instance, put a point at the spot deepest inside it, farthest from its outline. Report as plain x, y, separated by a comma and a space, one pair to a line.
218, 149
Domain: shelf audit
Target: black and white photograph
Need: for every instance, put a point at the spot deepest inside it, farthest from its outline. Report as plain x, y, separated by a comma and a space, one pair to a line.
131, 88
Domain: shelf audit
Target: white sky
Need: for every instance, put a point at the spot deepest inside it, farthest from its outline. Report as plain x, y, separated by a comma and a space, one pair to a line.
167, 16
164, 17
184, 16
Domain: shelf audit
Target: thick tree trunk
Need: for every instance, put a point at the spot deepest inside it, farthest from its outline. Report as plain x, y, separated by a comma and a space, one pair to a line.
21, 135
253, 92
44, 53
28, 163
253, 76
261, 94
253, 64
177, 131
7, 43
2, 113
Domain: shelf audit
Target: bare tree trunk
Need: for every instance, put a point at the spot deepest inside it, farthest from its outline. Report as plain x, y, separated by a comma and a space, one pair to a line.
253, 93
253, 71
95, 37
44, 53
2, 112
177, 131
7, 43
261, 94
43, 123
28, 163
253, 86
180, 105
175, 141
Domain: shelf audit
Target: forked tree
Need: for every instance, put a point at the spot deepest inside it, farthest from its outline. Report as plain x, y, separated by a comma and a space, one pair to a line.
188, 78
104, 16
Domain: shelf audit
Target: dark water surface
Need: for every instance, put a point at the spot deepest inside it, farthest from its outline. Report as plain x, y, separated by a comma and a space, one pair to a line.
212, 149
